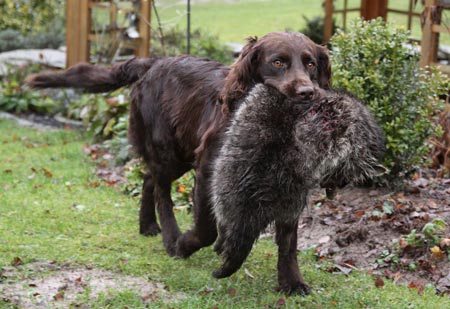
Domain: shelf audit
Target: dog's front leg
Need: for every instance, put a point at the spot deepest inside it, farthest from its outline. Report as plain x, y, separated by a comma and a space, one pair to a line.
289, 277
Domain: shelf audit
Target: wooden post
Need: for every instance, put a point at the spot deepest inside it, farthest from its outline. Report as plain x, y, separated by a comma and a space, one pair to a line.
429, 38
144, 29
344, 15
371, 9
77, 31
328, 21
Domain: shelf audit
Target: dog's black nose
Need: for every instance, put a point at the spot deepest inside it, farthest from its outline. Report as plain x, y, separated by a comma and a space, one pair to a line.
305, 93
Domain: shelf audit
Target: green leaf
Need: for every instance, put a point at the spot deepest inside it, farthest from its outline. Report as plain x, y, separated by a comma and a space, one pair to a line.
388, 208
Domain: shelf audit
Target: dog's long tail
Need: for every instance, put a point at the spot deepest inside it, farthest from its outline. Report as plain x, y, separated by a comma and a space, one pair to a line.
93, 78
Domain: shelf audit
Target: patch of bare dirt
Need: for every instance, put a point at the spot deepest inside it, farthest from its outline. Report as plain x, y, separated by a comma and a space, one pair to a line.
52, 285
403, 236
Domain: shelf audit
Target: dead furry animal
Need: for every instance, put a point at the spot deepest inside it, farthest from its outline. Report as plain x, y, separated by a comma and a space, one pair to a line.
274, 152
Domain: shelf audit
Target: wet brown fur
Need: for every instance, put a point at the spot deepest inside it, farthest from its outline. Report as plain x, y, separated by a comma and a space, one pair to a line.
274, 152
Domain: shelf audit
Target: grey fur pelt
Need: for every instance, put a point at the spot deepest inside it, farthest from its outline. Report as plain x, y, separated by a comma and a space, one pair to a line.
274, 152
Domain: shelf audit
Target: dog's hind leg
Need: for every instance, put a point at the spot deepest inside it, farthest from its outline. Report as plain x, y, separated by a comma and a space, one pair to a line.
164, 205
164, 172
147, 215
289, 277
203, 233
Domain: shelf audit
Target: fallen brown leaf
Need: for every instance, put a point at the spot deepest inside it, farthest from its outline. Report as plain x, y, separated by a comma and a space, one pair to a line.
58, 296
17, 261
267, 255
402, 243
444, 243
206, 291
437, 253
46, 172
416, 284
232, 292
281, 302
379, 282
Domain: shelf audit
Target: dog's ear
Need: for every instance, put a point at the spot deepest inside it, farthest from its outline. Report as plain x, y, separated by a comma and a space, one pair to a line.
324, 67
241, 76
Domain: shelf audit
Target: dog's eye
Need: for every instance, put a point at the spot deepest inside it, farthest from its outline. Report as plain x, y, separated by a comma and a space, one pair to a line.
310, 65
278, 64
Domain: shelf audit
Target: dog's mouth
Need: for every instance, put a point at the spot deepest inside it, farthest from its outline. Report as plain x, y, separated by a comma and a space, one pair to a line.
314, 95
318, 96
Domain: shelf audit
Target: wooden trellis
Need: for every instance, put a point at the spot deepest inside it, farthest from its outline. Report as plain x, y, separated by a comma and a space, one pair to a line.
80, 35
430, 19
368, 9
431, 29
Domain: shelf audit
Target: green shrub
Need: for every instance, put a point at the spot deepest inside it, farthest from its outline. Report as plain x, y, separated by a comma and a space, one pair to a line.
11, 39
31, 24
52, 38
16, 99
103, 115
203, 44
372, 62
314, 28
31, 15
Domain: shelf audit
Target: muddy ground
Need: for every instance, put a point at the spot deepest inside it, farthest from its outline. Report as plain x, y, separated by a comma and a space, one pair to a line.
372, 230
44, 284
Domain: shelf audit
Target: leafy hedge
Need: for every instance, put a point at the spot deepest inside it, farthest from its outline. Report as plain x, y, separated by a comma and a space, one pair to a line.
373, 62
31, 15
203, 44
31, 24
11, 39
16, 99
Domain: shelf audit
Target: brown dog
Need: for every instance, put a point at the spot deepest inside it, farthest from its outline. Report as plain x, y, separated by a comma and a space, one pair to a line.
179, 108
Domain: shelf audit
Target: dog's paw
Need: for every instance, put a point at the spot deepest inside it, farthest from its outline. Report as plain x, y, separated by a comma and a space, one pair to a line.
186, 245
220, 273
152, 229
295, 289
172, 251
226, 270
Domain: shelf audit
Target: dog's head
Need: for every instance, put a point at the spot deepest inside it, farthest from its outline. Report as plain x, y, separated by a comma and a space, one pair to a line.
287, 61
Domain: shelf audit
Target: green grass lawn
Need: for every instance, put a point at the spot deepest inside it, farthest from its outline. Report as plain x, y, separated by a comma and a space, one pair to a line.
50, 210
235, 20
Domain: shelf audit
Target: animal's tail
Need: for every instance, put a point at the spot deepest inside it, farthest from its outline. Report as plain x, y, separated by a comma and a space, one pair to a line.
93, 78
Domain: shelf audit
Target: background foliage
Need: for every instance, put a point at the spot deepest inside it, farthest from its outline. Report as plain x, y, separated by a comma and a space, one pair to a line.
30, 15
373, 62
203, 44
14, 98
31, 24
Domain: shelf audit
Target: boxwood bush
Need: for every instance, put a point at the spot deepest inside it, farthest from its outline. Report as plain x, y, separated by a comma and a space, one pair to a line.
373, 61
